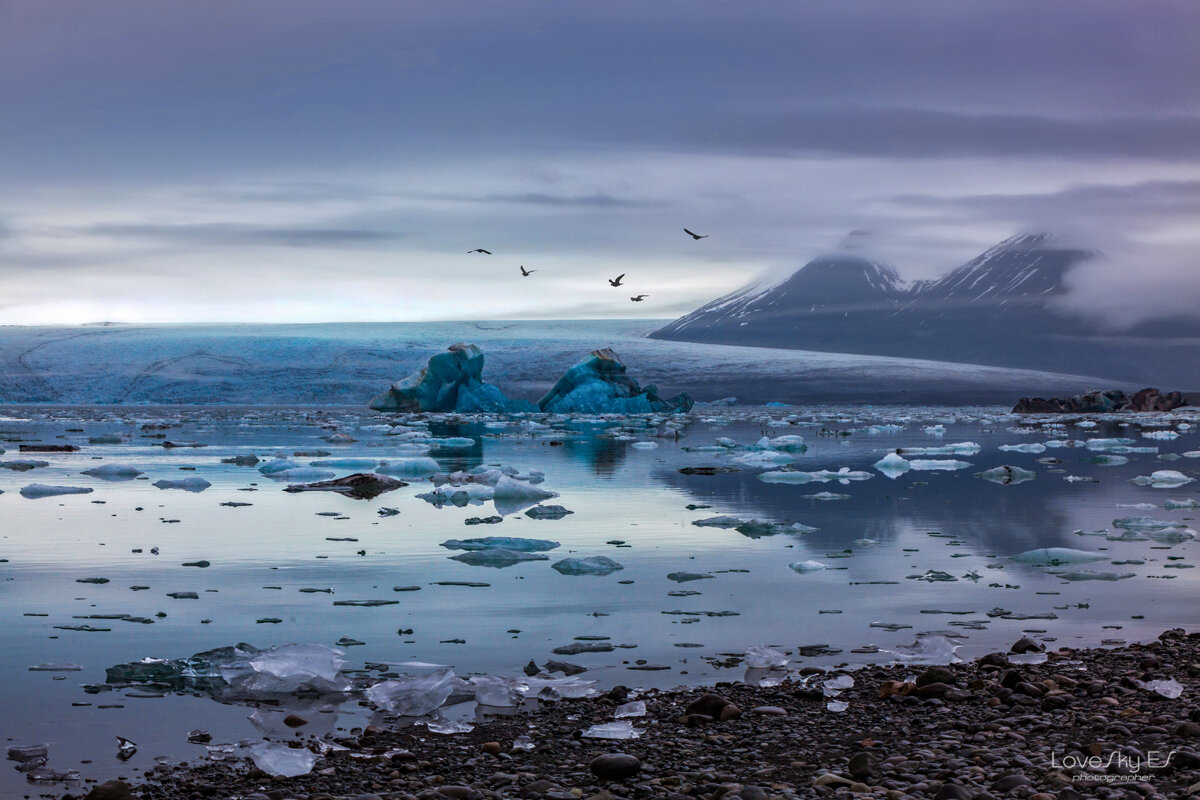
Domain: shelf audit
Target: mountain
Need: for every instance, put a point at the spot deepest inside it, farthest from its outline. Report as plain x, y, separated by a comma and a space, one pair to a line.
998, 309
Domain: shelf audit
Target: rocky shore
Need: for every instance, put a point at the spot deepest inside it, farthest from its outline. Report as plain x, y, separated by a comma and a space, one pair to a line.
1102, 723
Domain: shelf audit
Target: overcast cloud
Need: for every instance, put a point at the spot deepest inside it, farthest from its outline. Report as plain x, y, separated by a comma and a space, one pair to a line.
293, 160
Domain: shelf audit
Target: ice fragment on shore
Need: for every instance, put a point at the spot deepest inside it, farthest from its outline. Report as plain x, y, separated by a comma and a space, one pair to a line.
288, 668
1169, 689
760, 656
282, 761
634, 708
621, 729
413, 696
927, 649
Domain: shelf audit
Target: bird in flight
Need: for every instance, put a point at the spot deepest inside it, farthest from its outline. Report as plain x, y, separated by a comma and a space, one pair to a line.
695, 235
480, 250
639, 298
527, 272
616, 281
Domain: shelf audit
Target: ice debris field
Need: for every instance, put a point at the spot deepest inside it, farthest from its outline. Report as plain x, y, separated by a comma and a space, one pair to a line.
188, 582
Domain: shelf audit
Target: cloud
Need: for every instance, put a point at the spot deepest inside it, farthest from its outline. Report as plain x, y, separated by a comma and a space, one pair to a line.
231, 234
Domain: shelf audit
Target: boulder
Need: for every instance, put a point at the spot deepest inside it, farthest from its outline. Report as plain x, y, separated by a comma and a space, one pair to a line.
452, 381
599, 385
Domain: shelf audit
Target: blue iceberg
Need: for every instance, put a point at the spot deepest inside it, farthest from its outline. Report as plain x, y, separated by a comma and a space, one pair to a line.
452, 381
599, 385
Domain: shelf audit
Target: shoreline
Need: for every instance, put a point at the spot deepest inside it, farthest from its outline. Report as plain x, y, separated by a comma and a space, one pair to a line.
1081, 724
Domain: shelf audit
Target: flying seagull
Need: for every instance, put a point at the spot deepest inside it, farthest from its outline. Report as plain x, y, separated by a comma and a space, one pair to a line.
480, 250
616, 281
695, 235
639, 298
527, 272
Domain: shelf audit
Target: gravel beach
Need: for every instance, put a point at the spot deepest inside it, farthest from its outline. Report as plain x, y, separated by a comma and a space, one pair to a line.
1085, 723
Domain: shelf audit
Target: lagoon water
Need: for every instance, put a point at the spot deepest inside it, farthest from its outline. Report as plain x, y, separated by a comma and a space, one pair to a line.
884, 543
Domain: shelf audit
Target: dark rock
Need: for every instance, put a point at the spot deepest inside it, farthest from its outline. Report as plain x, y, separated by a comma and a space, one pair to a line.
614, 766
936, 675
860, 767
360, 486
1026, 645
952, 791
110, 790
933, 690
715, 706
1102, 402
1006, 783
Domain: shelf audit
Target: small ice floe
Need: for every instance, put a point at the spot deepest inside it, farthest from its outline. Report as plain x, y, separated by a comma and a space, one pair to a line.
548, 512
278, 465
786, 442
760, 656
1163, 479
893, 465
114, 472
1108, 460
23, 465
937, 465
1028, 447
1006, 475
956, 449
1054, 556
497, 557
1090, 575
282, 761
192, 484
36, 490
763, 458
416, 467
302, 475
345, 463
807, 566
645, 445
56, 667
842, 476
826, 496
1177, 504
1160, 435
595, 565
501, 542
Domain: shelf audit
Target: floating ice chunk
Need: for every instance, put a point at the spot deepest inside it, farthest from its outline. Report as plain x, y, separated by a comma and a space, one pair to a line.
1161, 435
956, 449
56, 667
288, 668
282, 761
842, 476
25, 753
409, 467
1006, 475
595, 565
345, 463
507, 488
1108, 460
763, 458
1146, 524
192, 484
1089, 575
277, 465
725, 441
451, 443
807, 566
36, 490
1102, 445
1176, 504
718, 522
893, 465
937, 465
877, 429
927, 649
558, 688
634, 708
302, 475
1163, 479
1028, 447
760, 656
827, 496
1053, 556
1192, 454
645, 445
789, 441
621, 729
497, 557
114, 472
501, 542
413, 696
498, 692
458, 495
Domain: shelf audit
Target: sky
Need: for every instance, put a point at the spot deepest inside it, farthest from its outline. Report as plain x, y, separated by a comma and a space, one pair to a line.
308, 161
